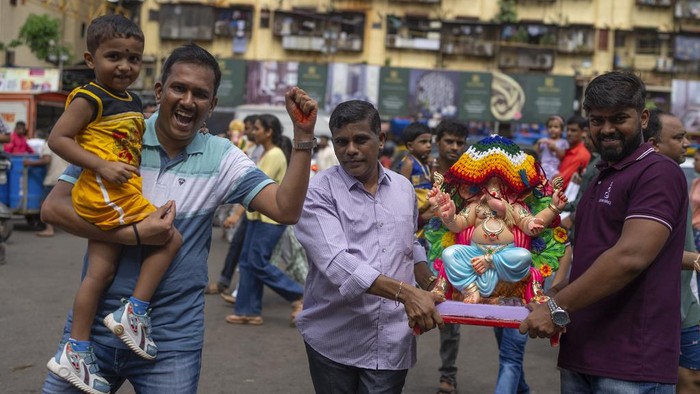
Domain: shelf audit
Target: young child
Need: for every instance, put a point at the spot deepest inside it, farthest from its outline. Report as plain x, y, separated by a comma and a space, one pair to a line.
415, 165
101, 131
552, 149
18, 140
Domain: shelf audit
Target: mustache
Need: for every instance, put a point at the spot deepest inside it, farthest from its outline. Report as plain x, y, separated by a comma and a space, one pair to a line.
614, 135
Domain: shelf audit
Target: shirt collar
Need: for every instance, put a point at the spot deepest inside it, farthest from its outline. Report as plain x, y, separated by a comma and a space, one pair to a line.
350, 181
151, 139
643, 151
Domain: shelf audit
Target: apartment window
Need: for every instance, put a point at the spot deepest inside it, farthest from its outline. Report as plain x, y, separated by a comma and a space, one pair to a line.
233, 21
648, 44
186, 22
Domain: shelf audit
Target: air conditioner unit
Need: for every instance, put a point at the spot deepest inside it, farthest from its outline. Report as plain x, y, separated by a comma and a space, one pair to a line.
544, 60
507, 60
664, 64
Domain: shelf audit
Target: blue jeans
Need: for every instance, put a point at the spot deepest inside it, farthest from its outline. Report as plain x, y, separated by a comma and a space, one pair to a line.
255, 269
330, 377
690, 348
574, 382
233, 254
449, 348
173, 372
511, 376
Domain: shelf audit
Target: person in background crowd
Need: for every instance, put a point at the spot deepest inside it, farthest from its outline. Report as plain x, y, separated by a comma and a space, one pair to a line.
55, 165
325, 157
262, 235
669, 138
18, 141
415, 166
451, 141
552, 149
577, 156
149, 108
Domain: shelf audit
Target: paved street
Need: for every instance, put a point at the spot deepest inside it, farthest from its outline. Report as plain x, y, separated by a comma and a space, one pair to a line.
37, 288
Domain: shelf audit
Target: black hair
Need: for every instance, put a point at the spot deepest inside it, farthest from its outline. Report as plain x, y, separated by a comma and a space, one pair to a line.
271, 122
653, 129
193, 54
250, 119
286, 146
615, 89
108, 27
21, 122
355, 111
413, 130
577, 120
453, 127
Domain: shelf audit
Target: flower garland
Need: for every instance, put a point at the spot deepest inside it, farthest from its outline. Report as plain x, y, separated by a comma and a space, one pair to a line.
550, 245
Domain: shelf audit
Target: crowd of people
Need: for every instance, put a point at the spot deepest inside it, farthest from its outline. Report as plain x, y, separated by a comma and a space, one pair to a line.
359, 270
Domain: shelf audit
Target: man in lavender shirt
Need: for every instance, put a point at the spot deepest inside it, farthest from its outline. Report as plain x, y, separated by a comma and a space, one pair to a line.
624, 294
358, 227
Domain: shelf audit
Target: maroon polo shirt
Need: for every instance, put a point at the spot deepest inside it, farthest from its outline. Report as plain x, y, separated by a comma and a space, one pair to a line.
633, 334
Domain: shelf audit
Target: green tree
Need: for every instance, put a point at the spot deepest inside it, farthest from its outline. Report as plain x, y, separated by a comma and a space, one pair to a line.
507, 12
42, 34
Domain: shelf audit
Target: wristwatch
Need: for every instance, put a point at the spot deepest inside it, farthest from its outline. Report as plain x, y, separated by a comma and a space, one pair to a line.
560, 317
305, 145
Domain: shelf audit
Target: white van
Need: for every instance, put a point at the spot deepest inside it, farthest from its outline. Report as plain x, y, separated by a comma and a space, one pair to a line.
218, 123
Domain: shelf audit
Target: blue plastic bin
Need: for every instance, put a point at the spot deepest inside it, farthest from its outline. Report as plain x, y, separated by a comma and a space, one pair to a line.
5, 190
26, 185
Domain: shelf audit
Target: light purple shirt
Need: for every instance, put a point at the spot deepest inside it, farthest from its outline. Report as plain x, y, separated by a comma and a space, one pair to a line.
351, 237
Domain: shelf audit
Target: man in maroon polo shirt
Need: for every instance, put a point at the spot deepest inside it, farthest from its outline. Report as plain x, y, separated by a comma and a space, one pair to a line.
577, 156
624, 292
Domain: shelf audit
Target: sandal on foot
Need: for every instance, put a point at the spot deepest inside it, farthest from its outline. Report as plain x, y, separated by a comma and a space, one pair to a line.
447, 387
252, 320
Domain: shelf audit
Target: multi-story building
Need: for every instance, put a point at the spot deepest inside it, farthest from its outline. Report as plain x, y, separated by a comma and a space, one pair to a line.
579, 38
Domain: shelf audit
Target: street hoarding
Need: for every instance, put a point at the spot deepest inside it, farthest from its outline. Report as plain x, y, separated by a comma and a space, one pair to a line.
475, 96
433, 92
313, 78
546, 95
232, 87
351, 82
28, 80
393, 92
685, 103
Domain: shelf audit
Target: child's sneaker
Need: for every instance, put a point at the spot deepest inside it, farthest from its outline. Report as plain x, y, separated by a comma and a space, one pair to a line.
133, 329
79, 368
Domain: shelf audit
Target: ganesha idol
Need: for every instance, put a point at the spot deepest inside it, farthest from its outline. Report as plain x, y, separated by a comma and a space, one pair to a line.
485, 202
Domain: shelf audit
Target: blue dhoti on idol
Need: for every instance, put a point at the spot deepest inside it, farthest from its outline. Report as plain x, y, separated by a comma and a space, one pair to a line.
510, 263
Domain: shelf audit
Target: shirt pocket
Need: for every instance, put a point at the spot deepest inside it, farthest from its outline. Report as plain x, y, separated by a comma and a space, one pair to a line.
402, 233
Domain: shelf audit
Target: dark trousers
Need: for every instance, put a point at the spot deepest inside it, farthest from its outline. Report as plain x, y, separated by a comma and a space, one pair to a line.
330, 377
233, 254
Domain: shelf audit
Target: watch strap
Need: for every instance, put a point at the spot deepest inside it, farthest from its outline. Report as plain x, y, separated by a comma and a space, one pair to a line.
305, 145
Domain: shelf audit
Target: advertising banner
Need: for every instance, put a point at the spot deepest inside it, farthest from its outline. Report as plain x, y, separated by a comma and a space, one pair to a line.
312, 78
28, 80
393, 92
685, 103
433, 92
546, 95
475, 97
232, 88
351, 82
